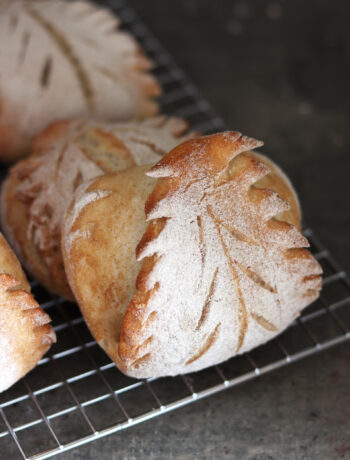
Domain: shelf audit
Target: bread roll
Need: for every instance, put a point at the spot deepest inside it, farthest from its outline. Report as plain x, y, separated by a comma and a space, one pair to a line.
62, 59
25, 335
185, 264
38, 189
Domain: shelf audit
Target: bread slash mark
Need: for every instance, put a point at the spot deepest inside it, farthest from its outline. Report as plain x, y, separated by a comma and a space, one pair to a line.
208, 301
209, 343
234, 232
242, 309
263, 322
59, 160
46, 72
66, 49
139, 362
257, 279
151, 145
143, 346
201, 243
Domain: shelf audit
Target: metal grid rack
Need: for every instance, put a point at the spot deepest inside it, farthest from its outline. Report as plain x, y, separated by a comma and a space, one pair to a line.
76, 394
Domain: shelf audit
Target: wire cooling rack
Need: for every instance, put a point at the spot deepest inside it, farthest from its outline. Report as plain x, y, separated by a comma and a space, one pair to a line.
76, 394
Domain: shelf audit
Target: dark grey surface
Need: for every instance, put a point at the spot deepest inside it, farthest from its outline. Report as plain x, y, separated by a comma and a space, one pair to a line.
278, 71
300, 412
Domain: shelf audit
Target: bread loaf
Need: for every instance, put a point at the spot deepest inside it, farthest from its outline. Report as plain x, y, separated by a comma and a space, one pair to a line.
185, 264
25, 334
38, 189
62, 59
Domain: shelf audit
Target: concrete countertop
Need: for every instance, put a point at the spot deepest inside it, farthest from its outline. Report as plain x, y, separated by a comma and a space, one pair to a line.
278, 71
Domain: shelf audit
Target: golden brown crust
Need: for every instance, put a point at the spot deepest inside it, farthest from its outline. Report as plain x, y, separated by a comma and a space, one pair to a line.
45, 265
57, 131
277, 181
214, 163
38, 190
96, 142
9, 262
223, 265
25, 335
102, 226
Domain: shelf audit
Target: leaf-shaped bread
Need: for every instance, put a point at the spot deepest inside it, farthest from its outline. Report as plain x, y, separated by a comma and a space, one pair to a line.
39, 189
221, 266
25, 334
62, 59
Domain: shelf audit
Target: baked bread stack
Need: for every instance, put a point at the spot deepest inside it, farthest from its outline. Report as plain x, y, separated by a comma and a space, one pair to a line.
181, 250
58, 60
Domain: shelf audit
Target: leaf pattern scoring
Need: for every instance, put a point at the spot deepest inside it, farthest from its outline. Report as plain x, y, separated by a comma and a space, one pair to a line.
224, 271
62, 59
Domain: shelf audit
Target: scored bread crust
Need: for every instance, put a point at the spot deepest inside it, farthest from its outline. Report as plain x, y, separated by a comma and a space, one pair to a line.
38, 189
266, 275
101, 230
25, 335
62, 59
224, 265
147, 140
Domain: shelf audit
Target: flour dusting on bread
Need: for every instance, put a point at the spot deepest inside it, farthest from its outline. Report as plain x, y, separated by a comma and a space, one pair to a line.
216, 261
65, 155
62, 59
82, 198
192, 261
25, 333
